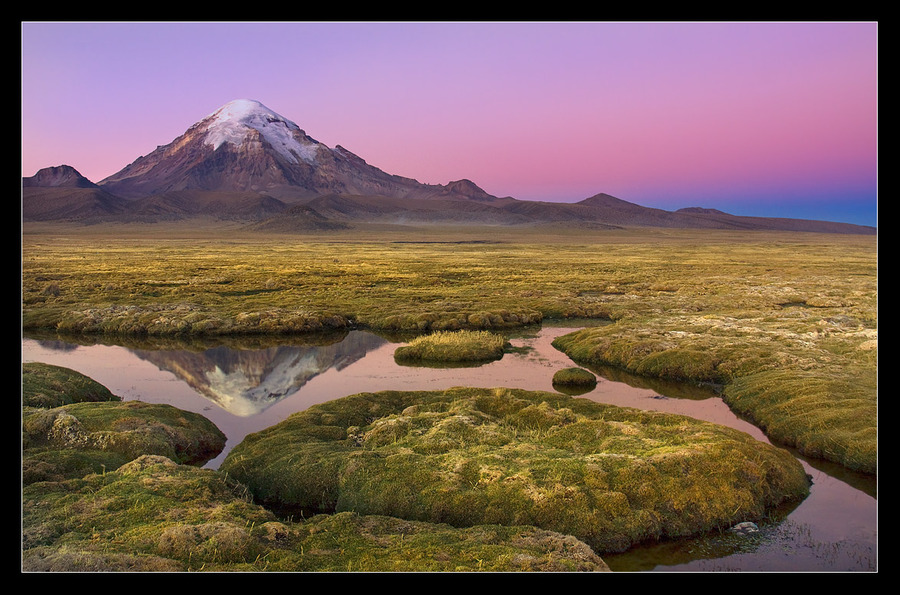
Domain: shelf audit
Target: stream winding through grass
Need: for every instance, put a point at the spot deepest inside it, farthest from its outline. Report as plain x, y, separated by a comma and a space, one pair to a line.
246, 390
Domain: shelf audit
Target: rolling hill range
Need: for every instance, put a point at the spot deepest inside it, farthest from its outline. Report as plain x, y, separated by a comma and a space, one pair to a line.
245, 163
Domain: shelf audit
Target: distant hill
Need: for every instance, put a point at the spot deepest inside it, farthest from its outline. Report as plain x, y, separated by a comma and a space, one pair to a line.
61, 176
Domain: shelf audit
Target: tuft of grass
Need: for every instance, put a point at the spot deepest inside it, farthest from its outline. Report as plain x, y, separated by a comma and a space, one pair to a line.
453, 346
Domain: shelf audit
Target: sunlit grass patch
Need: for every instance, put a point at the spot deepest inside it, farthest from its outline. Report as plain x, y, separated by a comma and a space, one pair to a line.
808, 382
824, 417
453, 346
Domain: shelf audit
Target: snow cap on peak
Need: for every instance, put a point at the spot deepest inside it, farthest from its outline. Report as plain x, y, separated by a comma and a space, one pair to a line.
230, 123
244, 110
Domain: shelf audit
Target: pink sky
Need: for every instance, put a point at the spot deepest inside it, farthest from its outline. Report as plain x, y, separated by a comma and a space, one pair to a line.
751, 118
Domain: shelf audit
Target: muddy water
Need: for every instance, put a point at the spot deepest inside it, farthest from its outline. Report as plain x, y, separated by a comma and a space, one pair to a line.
244, 390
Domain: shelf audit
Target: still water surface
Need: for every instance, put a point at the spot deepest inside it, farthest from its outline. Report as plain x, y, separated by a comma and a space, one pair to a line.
246, 388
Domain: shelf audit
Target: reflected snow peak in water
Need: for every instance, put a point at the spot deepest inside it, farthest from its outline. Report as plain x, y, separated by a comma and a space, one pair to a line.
247, 382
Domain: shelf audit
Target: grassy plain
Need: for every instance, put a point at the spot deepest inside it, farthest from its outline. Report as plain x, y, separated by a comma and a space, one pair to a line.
786, 322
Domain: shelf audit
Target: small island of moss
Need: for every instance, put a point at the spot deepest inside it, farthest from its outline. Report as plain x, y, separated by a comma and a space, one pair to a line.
574, 378
453, 347
611, 477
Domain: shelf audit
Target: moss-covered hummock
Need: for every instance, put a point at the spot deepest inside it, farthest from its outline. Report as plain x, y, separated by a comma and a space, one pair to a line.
45, 385
574, 378
821, 400
607, 475
99, 496
75, 439
154, 515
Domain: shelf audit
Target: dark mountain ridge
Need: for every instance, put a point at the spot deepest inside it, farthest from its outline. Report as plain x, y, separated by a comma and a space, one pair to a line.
246, 163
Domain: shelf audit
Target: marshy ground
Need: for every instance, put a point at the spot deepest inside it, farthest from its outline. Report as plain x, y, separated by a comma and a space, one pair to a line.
784, 324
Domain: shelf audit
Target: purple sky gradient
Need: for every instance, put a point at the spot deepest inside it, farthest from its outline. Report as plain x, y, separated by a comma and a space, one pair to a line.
773, 119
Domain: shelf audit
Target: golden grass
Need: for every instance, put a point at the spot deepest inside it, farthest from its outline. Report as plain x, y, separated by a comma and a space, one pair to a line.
453, 346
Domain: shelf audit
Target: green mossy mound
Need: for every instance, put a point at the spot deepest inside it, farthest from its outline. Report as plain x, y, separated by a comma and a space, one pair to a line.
45, 385
72, 440
822, 417
574, 381
816, 391
453, 347
96, 499
609, 476
154, 515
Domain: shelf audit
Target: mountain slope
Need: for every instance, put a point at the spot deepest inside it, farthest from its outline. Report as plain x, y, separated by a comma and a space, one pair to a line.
245, 146
70, 204
244, 162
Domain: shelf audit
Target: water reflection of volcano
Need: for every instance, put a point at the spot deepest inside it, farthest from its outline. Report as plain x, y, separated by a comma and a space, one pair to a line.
247, 382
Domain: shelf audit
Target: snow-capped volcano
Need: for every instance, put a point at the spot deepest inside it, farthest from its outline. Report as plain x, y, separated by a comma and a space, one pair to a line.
244, 162
230, 123
246, 147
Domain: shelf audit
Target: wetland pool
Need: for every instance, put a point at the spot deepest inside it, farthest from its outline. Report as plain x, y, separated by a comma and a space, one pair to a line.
244, 388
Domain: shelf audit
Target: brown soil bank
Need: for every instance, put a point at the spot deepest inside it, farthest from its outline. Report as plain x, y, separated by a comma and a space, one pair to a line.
609, 476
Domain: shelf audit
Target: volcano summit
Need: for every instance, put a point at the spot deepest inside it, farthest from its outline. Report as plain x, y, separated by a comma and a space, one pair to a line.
246, 147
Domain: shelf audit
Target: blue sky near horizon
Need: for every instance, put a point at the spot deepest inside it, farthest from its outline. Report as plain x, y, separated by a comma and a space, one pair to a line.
752, 118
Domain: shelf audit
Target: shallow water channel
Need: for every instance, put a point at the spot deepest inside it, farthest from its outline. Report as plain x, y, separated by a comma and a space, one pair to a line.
246, 388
